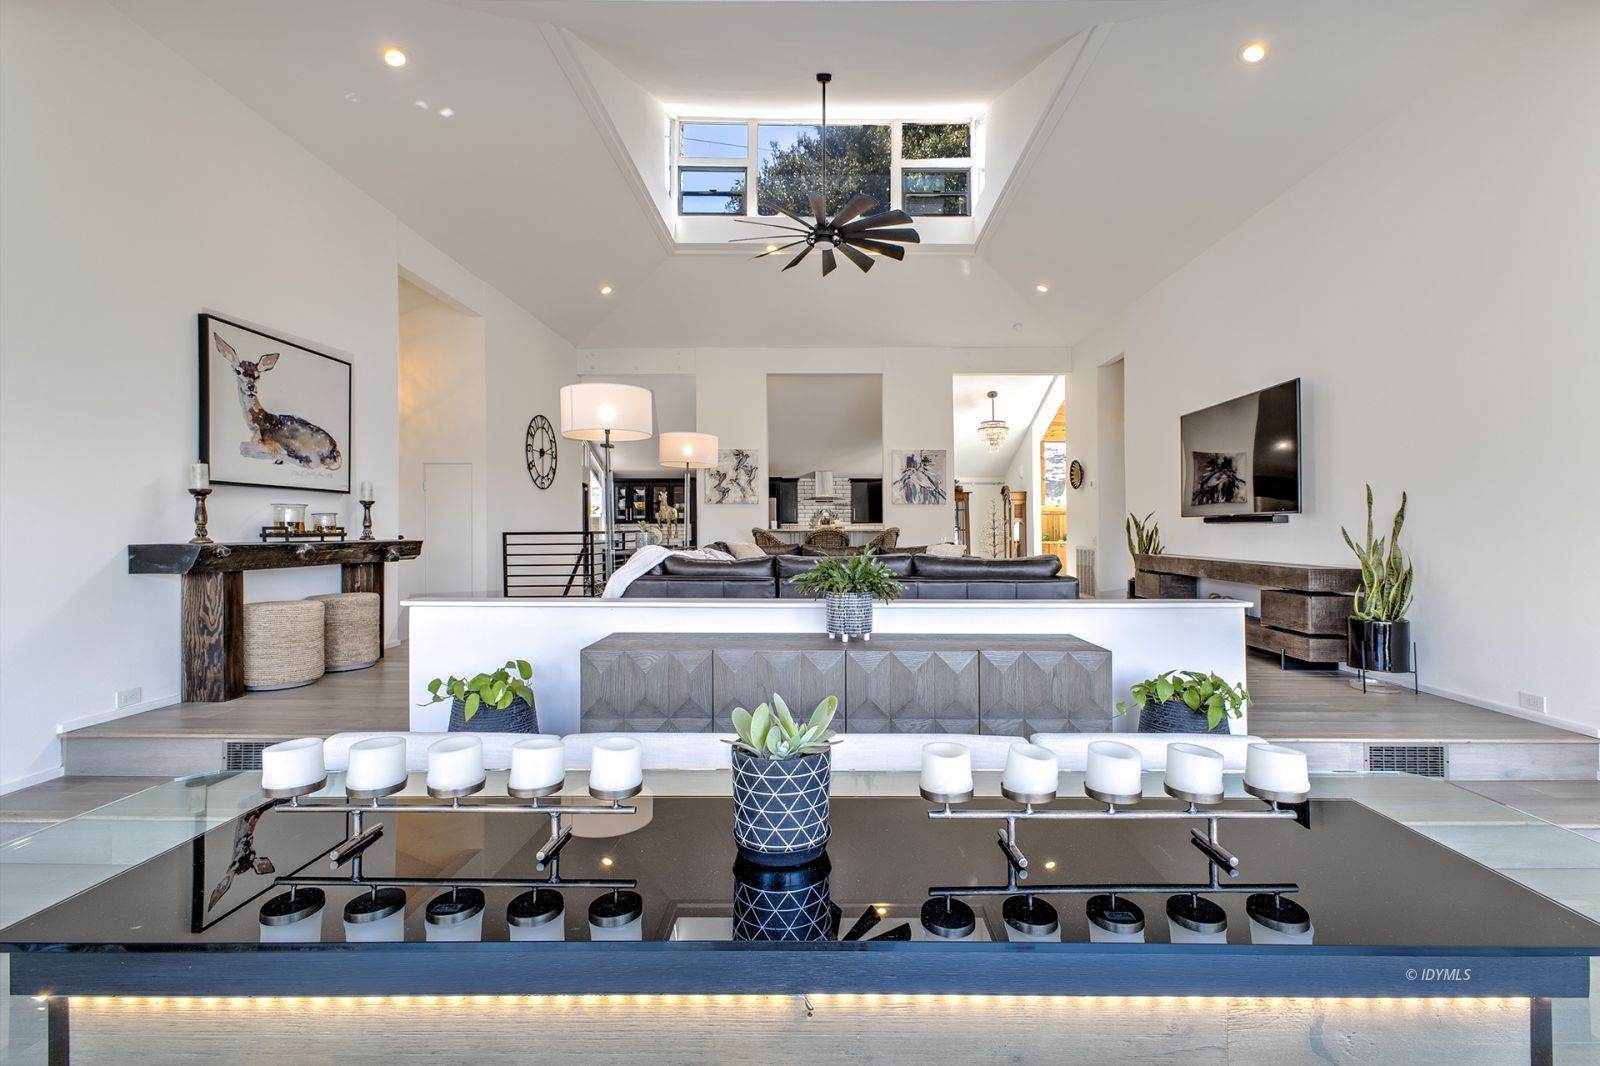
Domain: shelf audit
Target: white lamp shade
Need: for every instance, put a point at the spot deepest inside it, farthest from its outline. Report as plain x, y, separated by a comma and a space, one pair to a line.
688, 451
946, 768
1031, 770
1276, 769
537, 763
1194, 769
590, 408
292, 764
455, 762
376, 764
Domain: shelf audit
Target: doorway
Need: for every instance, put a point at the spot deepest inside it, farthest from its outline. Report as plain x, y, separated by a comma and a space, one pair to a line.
447, 527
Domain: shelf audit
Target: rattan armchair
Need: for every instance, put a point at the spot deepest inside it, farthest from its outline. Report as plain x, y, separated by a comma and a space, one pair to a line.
885, 541
827, 538
765, 540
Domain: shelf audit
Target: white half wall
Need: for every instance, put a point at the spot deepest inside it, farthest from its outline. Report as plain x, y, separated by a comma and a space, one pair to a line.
1435, 288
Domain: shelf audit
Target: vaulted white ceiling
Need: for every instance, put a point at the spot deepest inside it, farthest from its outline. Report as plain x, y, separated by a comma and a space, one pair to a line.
1152, 145
1016, 404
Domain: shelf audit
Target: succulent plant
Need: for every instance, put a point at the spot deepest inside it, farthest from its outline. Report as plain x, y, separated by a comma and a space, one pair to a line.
1144, 537
772, 732
1385, 591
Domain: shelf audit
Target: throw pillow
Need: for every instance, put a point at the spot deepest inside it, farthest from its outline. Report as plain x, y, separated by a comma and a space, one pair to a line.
716, 553
946, 551
741, 550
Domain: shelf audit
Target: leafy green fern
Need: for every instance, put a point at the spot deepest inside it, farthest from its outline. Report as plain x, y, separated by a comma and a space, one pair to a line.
859, 574
1385, 591
496, 690
776, 735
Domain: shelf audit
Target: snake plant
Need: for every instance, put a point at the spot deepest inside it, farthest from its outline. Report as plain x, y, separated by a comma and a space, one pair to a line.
1143, 539
1385, 591
774, 734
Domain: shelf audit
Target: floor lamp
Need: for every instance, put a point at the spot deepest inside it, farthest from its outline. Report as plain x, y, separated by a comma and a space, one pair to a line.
604, 415
689, 451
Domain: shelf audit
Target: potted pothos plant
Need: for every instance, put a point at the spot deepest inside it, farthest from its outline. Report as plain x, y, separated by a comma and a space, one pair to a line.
500, 701
1186, 701
848, 585
1379, 635
1144, 538
781, 774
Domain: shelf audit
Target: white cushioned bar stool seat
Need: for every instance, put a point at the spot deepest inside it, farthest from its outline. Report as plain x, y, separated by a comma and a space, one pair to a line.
1072, 749
349, 630
283, 644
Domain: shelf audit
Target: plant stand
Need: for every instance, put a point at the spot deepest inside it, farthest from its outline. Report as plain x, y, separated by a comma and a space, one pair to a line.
1416, 666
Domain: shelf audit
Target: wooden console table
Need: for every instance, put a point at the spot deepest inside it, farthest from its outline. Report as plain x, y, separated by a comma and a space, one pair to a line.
1304, 608
994, 683
213, 596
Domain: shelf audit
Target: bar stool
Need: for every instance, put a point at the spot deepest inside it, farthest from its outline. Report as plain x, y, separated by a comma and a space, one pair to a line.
350, 630
283, 644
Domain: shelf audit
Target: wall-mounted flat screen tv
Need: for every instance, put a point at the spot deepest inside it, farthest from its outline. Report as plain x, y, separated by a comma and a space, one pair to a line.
1243, 456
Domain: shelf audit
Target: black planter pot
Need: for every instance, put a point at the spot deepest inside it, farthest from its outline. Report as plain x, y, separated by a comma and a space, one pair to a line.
783, 902
780, 807
520, 717
1381, 646
1174, 716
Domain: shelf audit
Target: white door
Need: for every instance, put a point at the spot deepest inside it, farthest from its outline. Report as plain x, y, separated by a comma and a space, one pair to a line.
447, 535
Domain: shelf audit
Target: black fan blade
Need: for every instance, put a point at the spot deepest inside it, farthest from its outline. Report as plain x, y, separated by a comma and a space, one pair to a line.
879, 221
859, 205
819, 210
769, 238
796, 260
828, 262
772, 225
908, 236
893, 251
778, 249
864, 924
899, 932
860, 259
790, 214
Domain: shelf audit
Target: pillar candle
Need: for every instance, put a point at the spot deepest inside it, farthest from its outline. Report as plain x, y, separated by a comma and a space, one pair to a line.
376, 763
536, 763
292, 764
1275, 768
1114, 769
366, 490
1194, 769
455, 763
946, 768
199, 476
1031, 770
617, 766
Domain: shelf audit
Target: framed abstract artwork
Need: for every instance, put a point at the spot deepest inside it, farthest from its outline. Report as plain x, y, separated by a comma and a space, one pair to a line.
919, 476
272, 412
733, 479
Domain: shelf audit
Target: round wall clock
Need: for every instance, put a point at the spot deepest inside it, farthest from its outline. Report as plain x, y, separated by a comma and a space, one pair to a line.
1075, 474
541, 450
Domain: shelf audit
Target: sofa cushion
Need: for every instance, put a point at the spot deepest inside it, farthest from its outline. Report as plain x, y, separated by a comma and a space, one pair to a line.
742, 550
1033, 568
944, 551
685, 566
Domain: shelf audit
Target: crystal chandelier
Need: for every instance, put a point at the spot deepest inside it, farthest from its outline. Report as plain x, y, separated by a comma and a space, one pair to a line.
993, 430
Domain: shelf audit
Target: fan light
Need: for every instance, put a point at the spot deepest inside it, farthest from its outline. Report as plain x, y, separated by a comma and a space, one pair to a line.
394, 57
1254, 52
859, 231
606, 290
993, 430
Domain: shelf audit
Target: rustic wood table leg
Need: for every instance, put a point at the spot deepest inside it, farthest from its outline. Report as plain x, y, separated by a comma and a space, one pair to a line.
366, 577
213, 637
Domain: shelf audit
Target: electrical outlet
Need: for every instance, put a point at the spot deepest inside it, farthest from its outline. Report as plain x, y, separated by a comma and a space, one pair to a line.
129, 696
1530, 702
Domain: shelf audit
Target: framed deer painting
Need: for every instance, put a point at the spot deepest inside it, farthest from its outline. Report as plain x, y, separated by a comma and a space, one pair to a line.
272, 412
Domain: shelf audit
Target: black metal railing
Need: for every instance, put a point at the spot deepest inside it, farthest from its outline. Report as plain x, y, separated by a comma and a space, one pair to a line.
560, 562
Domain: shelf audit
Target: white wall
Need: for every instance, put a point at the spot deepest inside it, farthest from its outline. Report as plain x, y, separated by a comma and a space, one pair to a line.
1435, 287
917, 408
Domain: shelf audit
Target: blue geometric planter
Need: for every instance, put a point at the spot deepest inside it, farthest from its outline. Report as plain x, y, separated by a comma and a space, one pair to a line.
780, 807
783, 903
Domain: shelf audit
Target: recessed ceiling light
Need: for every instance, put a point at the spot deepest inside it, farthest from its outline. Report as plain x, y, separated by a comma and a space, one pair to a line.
772, 247
1042, 287
446, 112
605, 290
1254, 52
394, 57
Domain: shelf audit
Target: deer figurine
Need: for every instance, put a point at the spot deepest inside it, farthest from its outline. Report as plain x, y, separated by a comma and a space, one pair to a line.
281, 438
667, 515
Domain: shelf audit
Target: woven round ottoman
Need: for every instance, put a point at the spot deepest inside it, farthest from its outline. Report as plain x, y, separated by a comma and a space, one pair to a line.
350, 630
282, 644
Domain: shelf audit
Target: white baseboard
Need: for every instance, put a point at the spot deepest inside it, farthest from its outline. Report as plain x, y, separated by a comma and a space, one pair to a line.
1551, 720
28, 780
98, 717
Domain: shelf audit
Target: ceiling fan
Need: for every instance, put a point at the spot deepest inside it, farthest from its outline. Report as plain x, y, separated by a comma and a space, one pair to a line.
858, 229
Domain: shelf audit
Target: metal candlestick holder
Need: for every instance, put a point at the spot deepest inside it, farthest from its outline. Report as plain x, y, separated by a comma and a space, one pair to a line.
200, 519
366, 519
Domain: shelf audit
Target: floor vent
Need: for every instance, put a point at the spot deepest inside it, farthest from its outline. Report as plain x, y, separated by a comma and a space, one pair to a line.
1424, 760
244, 754
1084, 572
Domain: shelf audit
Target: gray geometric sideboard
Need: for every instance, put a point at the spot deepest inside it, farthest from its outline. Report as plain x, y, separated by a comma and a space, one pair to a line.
944, 683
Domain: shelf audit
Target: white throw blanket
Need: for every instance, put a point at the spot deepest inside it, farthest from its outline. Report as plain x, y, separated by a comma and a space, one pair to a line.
646, 559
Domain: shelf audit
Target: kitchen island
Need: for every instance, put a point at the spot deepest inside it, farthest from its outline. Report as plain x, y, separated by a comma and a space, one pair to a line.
859, 532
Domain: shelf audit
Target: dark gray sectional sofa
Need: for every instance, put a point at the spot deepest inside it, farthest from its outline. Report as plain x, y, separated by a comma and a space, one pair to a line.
925, 578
